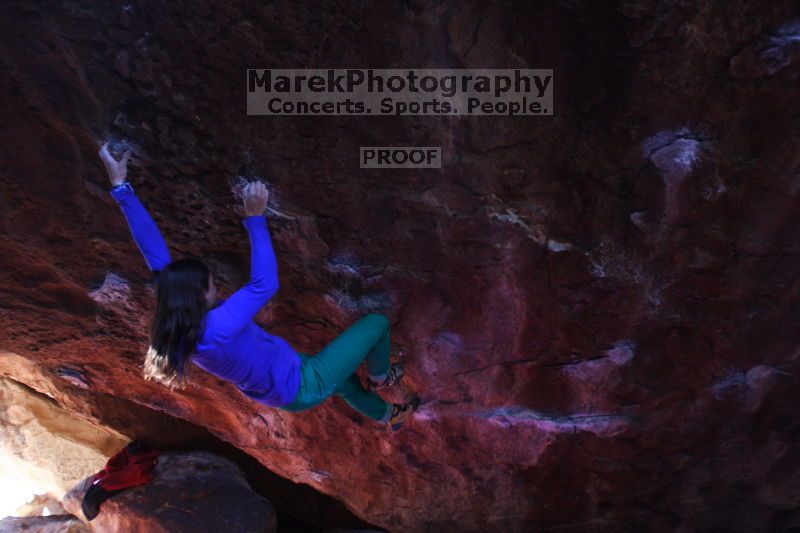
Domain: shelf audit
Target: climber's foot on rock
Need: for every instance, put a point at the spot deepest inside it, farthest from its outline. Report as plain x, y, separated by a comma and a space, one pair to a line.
402, 411
394, 375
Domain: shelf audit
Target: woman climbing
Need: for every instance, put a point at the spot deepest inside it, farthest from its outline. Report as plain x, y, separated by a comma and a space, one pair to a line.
219, 336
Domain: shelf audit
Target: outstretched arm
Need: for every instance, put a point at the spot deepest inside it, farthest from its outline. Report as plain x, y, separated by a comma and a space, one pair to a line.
143, 228
240, 308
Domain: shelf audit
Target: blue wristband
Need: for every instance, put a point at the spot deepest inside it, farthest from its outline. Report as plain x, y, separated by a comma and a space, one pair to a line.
124, 185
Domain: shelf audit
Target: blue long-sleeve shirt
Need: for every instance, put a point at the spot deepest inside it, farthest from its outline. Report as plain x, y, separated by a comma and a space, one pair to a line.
264, 367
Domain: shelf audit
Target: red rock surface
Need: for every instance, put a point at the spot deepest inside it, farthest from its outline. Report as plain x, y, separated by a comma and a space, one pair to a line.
599, 307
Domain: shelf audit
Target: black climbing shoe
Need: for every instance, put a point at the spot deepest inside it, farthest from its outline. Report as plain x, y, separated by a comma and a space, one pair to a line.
394, 375
401, 412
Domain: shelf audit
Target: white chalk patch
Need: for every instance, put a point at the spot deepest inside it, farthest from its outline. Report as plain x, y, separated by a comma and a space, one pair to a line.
377, 301
604, 424
661, 139
728, 385
320, 475
674, 155
676, 160
344, 262
557, 246
115, 289
535, 234
71, 375
780, 49
621, 352
512, 217
751, 387
597, 370
709, 192
452, 338
760, 372
587, 370
637, 218
597, 270
790, 31
426, 411
653, 296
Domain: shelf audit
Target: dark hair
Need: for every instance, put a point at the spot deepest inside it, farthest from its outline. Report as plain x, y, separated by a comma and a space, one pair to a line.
178, 321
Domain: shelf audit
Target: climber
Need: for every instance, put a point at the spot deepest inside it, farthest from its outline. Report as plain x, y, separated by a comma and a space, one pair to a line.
220, 336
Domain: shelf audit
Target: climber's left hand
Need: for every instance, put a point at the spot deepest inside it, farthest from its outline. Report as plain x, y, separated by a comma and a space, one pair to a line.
117, 170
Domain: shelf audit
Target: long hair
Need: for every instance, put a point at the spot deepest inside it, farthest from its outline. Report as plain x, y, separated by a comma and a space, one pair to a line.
178, 321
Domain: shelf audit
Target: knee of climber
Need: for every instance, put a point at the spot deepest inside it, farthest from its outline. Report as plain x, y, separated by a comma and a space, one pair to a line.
349, 388
378, 318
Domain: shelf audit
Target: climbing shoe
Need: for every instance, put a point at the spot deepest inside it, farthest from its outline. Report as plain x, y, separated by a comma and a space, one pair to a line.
401, 412
394, 375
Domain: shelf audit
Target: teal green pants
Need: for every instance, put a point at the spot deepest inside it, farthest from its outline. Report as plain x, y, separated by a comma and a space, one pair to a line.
332, 370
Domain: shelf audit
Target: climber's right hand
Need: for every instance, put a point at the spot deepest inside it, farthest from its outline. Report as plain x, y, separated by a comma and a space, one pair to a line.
117, 170
255, 196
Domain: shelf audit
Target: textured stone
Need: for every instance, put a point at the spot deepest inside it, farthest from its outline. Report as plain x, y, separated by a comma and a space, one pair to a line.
41, 445
599, 308
196, 491
41, 505
43, 524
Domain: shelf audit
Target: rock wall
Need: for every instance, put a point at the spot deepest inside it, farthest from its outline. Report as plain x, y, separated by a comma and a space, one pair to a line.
599, 308
40, 445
